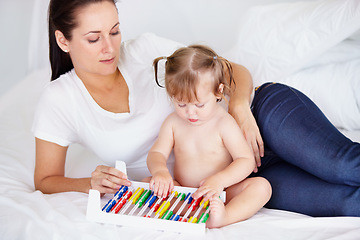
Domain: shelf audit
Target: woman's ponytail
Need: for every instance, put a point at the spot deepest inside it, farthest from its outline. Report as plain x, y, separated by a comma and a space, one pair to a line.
59, 60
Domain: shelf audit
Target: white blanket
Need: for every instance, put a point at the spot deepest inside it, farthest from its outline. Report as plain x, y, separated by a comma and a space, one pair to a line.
29, 214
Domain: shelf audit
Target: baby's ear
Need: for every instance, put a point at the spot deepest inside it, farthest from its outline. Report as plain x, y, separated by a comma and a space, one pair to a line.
219, 94
221, 88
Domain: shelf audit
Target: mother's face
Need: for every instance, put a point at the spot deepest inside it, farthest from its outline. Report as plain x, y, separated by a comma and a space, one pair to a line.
95, 44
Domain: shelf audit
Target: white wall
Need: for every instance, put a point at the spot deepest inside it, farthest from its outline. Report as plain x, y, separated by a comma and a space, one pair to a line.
15, 16
21, 54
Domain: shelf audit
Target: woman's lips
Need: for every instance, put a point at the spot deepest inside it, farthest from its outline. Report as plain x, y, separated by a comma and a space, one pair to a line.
108, 61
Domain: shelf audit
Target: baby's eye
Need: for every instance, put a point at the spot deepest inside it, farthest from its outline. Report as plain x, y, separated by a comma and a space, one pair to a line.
181, 105
199, 105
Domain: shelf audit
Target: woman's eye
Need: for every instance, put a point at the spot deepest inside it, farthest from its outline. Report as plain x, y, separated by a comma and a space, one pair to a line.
115, 33
93, 40
199, 105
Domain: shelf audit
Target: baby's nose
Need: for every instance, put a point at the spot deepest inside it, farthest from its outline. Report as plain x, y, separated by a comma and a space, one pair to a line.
191, 110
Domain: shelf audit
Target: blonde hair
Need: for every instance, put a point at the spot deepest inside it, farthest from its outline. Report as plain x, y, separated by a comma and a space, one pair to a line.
182, 70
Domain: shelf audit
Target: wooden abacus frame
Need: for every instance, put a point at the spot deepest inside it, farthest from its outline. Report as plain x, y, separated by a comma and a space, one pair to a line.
95, 213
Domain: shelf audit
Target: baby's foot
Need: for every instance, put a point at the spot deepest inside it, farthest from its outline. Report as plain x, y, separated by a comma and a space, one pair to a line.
217, 217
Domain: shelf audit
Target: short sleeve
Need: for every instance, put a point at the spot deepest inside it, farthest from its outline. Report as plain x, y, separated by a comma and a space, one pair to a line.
54, 119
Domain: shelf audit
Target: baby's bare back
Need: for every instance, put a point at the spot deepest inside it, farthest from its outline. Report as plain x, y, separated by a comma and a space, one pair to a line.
199, 153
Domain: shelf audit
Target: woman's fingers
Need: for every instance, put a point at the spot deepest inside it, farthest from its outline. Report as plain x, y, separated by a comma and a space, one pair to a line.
253, 137
106, 187
108, 179
260, 144
257, 145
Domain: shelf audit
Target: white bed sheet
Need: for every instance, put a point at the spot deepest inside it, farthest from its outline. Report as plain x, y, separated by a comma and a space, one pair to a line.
29, 214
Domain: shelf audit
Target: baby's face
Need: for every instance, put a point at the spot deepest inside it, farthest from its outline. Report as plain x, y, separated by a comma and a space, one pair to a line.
202, 109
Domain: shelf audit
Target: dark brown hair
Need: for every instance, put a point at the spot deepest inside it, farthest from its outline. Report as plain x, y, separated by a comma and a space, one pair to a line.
62, 17
183, 67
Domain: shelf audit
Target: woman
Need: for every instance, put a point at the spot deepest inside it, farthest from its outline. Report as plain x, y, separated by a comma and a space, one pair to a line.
103, 96
106, 99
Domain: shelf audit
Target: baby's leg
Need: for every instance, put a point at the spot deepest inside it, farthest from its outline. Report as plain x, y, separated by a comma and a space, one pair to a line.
244, 199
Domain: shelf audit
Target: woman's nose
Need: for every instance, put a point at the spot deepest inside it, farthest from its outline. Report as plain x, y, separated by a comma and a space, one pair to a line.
108, 46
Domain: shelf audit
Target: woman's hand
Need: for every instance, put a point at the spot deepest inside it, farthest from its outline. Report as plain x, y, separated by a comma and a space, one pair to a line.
239, 108
108, 179
161, 183
247, 123
209, 187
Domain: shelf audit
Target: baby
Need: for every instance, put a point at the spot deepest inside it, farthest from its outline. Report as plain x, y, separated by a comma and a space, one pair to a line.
211, 153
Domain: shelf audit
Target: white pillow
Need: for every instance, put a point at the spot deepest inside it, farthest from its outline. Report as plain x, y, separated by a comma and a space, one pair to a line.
335, 88
276, 40
347, 50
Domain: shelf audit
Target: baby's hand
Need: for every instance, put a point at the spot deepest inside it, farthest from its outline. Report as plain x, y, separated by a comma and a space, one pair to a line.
161, 183
209, 187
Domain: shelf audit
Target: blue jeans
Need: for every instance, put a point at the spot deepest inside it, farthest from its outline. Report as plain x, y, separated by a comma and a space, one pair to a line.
312, 167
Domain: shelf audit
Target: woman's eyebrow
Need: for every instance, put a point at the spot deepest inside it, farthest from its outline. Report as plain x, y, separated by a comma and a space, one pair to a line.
100, 31
115, 25
91, 32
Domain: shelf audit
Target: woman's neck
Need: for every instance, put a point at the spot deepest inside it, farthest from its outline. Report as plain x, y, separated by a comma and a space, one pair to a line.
97, 82
110, 92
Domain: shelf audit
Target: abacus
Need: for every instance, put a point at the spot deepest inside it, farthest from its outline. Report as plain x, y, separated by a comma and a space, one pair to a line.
137, 206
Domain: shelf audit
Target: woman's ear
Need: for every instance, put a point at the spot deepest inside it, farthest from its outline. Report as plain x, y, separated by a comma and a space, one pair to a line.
62, 42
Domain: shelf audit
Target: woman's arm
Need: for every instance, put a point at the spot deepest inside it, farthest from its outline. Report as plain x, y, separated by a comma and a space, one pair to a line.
49, 176
239, 108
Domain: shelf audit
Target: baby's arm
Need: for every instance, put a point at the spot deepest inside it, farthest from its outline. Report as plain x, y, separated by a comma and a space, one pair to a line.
242, 165
161, 181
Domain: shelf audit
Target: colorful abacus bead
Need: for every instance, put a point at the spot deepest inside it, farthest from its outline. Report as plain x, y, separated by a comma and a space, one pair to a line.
111, 203
144, 200
122, 201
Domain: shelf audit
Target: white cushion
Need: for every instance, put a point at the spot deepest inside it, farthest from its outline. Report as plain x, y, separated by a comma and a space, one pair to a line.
278, 40
335, 88
302, 44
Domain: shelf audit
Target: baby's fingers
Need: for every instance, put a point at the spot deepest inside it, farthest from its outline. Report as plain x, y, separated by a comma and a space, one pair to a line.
200, 192
156, 187
152, 184
209, 195
162, 190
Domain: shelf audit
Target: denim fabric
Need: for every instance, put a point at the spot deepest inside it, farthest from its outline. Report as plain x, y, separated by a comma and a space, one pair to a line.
312, 167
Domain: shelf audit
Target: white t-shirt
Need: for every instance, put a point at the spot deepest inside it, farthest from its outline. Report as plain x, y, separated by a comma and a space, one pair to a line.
68, 114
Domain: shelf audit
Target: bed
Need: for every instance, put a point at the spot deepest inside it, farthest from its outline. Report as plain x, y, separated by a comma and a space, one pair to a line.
312, 45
